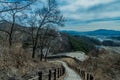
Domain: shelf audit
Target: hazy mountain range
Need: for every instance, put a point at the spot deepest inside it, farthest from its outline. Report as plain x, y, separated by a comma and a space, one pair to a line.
100, 32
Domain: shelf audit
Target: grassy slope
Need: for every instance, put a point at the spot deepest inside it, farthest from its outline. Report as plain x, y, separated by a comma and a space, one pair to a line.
80, 44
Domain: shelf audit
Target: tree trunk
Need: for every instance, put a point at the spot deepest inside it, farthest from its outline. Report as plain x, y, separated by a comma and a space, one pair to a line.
46, 54
11, 31
33, 52
10, 41
46, 57
41, 54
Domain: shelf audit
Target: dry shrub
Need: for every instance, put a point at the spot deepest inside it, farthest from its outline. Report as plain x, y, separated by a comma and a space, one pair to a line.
4, 57
18, 56
16, 61
12, 57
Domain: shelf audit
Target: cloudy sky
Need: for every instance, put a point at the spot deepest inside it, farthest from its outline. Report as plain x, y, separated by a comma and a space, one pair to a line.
87, 15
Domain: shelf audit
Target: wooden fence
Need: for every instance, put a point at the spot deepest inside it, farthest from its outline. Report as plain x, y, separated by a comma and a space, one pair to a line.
85, 75
51, 75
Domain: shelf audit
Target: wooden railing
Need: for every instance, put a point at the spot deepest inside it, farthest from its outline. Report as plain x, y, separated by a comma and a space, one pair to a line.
51, 75
85, 75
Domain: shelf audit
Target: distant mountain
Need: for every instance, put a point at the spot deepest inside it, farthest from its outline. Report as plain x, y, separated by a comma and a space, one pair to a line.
116, 38
100, 32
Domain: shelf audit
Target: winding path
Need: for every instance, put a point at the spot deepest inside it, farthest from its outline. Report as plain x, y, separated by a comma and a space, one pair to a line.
70, 74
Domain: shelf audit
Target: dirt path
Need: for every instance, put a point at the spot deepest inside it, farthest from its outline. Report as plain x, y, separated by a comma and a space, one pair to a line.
70, 74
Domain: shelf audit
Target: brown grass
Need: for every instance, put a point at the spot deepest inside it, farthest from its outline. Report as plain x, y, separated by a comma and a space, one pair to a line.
15, 61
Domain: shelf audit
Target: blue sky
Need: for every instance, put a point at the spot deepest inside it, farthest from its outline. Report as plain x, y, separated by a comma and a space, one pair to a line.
87, 15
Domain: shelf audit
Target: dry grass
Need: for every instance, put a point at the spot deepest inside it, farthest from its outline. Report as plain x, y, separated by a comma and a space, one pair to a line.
15, 61
104, 67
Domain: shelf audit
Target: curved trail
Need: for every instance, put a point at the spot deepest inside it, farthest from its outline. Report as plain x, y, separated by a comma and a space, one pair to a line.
70, 74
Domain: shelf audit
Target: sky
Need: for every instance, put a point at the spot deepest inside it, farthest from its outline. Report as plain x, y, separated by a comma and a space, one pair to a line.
88, 15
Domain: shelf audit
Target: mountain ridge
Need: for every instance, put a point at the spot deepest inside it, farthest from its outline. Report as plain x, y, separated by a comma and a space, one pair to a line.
102, 32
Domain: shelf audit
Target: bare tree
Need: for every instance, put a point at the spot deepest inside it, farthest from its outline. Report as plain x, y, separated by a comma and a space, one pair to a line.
50, 36
10, 17
49, 14
38, 20
46, 35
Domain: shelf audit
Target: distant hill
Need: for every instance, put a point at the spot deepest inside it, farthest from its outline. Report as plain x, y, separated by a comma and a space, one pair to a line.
7, 25
100, 32
117, 38
98, 37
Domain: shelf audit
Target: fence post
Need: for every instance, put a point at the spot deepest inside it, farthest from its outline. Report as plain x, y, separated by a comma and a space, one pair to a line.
91, 77
63, 71
40, 75
83, 74
79, 71
55, 74
50, 75
58, 72
87, 76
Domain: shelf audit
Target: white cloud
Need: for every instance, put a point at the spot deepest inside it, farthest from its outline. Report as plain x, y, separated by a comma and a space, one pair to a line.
91, 10
74, 9
73, 5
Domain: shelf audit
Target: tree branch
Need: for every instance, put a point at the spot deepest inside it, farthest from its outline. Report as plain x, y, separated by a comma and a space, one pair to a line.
18, 8
5, 31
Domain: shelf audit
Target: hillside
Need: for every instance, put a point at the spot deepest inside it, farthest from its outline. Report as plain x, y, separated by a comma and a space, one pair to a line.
116, 38
21, 34
16, 62
64, 43
82, 43
18, 36
67, 44
103, 63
